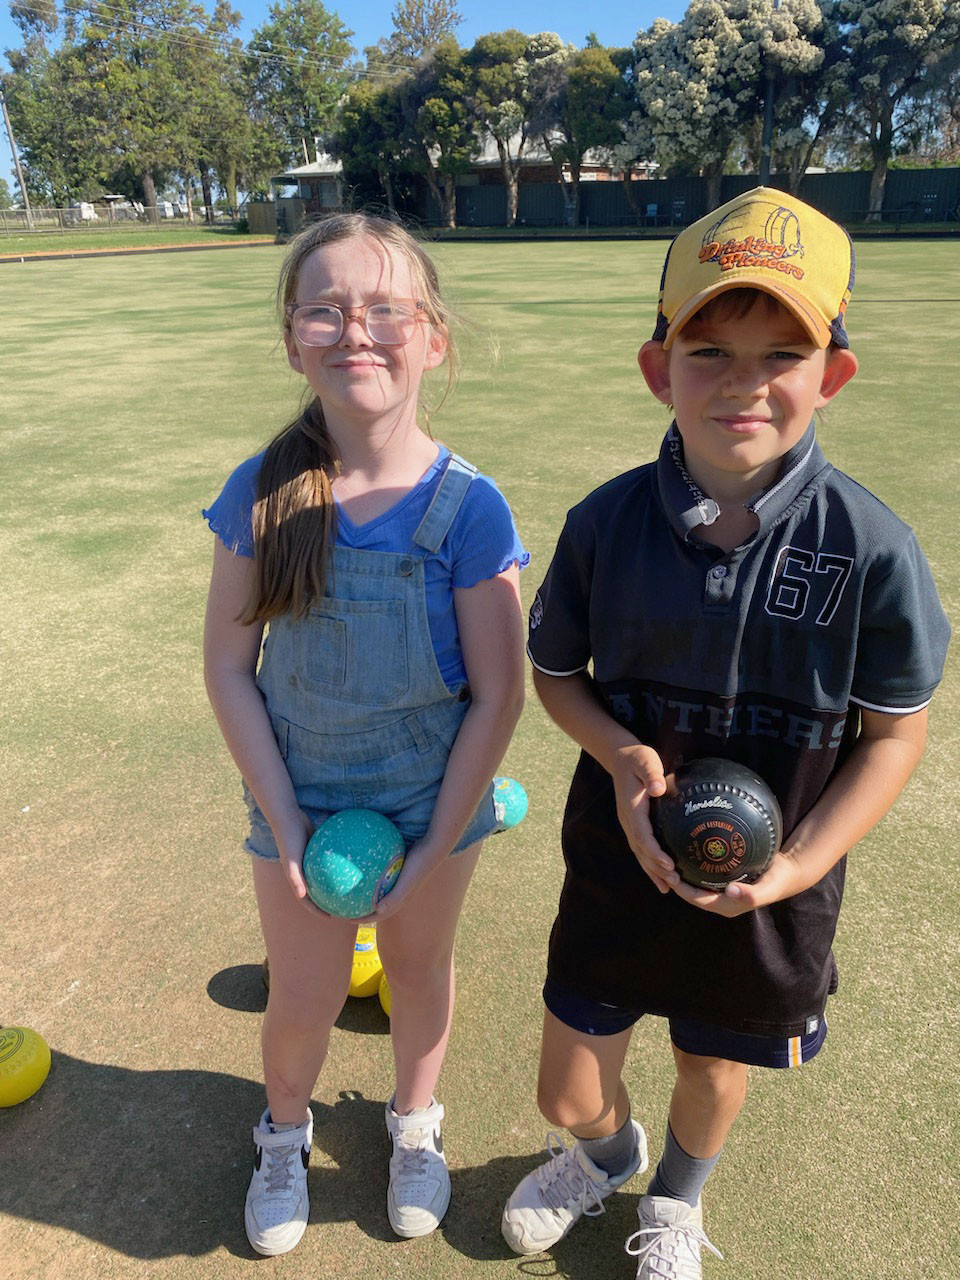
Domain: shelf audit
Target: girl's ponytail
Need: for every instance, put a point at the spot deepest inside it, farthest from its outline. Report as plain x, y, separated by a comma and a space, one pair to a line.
294, 519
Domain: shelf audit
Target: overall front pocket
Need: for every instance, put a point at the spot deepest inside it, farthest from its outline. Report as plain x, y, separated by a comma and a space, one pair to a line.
354, 651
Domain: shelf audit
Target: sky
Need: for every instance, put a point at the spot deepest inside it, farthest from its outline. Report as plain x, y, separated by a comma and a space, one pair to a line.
616, 22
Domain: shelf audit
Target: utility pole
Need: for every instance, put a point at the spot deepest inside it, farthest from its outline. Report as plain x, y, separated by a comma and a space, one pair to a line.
16, 161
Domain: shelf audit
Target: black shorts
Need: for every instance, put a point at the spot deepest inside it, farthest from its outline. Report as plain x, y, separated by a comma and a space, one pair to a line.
594, 1018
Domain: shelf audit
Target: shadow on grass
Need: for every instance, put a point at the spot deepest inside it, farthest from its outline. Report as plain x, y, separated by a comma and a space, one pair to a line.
241, 988
472, 1225
155, 1164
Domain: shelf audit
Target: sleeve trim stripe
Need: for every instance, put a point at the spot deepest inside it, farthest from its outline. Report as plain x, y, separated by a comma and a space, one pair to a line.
890, 711
546, 670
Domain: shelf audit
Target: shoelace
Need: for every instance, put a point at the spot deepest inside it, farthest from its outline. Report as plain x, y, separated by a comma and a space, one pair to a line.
279, 1175
562, 1180
412, 1158
672, 1260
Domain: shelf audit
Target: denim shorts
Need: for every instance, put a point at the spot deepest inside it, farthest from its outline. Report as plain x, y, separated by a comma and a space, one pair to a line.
703, 1039
396, 771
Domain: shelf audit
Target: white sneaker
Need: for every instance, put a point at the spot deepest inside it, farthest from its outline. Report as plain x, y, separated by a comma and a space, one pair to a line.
277, 1204
548, 1201
669, 1240
419, 1190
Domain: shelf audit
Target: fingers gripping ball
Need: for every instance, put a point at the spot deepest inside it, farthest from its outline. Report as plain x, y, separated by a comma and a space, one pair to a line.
719, 822
24, 1064
351, 861
384, 994
367, 970
509, 803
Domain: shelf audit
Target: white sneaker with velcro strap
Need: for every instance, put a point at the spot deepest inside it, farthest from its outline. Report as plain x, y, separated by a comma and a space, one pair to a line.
551, 1199
669, 1241
419, 1190
277, 1203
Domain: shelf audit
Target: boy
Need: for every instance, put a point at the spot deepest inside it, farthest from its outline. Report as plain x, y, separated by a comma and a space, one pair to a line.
736, 598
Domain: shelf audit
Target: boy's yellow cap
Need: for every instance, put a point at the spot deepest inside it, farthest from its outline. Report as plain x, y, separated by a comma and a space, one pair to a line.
764, 239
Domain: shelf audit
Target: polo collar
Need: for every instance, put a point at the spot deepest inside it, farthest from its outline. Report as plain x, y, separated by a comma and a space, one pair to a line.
687, 506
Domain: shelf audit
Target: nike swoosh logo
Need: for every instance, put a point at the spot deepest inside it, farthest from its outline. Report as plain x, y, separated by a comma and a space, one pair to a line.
438, 1139
305, 1156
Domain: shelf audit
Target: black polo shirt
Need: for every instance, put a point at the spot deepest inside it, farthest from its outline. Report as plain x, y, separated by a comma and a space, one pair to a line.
763, 655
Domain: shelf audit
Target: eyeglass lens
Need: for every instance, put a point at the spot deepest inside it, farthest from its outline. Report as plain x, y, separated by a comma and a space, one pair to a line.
388, 323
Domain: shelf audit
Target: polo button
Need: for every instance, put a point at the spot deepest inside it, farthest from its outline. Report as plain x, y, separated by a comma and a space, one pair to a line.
719, 571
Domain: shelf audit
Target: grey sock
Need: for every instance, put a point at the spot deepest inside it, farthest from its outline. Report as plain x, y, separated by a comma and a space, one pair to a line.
679, 1176
615, 1154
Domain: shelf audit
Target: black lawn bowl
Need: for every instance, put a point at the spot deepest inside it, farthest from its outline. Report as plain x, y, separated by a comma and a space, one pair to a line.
719, 822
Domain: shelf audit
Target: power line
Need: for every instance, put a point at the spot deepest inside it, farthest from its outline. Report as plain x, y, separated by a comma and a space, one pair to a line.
189, 37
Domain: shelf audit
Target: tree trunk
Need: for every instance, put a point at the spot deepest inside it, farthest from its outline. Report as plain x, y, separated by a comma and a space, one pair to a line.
511, 178
388, 191
449, 201
714, 176
150, 196
628, 190
881, 144
207, 186
230, 182
430, 174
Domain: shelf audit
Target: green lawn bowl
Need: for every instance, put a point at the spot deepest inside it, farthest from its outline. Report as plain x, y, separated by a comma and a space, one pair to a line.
509, 803
351, 861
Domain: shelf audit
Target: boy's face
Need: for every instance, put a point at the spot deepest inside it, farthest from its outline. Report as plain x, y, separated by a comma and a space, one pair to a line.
743, 389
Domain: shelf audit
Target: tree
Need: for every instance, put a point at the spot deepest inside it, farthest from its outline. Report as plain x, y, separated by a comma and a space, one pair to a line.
581, 103
6, 199
137, 56
371, 136
502, 100
443, 139
900, 54
699, 82
51, 101
419, 26
297, 64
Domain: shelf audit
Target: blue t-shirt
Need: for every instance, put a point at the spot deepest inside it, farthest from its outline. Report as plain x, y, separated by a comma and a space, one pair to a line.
482, 542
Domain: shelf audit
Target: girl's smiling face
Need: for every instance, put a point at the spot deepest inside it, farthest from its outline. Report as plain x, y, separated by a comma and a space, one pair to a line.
356, 380
743, 389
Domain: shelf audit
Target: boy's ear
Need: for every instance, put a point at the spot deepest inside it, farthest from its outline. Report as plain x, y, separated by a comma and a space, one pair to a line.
840, 367
293, 355
436, 346
655, 366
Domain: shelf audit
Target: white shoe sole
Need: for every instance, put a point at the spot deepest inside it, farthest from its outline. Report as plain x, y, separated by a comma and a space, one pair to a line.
410, 1231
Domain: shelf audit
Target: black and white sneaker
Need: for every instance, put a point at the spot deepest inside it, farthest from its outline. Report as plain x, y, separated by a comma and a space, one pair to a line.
419, 1190
277, 1203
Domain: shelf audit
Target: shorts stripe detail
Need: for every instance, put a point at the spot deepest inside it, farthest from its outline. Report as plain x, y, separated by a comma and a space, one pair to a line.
794, 1051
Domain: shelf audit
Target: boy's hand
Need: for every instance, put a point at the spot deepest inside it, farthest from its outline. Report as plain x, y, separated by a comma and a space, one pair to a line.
637, 775
780, 880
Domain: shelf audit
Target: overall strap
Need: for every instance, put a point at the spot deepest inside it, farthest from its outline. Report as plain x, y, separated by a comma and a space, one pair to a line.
442, 511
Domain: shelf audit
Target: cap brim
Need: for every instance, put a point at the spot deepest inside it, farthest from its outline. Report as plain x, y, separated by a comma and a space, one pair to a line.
814, 324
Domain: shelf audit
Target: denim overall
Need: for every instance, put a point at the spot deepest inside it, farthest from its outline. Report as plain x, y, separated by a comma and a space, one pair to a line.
361, 713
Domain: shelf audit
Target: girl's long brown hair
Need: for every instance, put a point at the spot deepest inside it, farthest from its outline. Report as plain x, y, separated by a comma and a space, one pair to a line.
294, 517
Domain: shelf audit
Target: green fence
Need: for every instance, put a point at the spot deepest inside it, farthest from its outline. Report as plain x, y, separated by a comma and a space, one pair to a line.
911, 195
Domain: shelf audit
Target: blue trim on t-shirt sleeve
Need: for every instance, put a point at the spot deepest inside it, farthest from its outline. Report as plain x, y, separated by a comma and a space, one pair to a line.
231, 515
484, 539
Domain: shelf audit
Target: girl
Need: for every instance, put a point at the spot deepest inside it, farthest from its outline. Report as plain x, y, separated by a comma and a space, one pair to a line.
391, 679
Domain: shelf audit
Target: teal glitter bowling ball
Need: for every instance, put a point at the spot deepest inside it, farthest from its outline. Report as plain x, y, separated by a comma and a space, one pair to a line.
509, 803
351, 861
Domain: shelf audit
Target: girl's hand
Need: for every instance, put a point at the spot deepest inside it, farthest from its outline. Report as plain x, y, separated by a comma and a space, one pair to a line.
292, 841
637, 775
419, 864
782, 879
